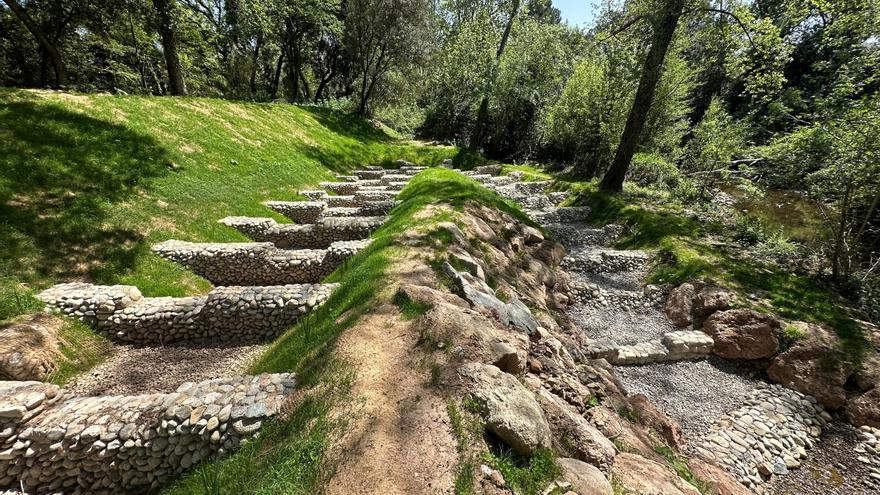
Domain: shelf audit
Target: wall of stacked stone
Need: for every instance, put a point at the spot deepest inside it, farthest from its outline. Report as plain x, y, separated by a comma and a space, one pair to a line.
299, 211
229, 314
315, 194
673, 346
362, 197
593, 260
308, 236
592, 295
52, 442
574, 235
369, 174
565, 214
257, 263
341, 188
767, 436
388, 179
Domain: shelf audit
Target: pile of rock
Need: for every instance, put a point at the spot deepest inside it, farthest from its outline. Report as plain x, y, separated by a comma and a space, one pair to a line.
767, 436
51, 441
257, 263
229, 314
318, 235
592, 294
298, 211
868, 452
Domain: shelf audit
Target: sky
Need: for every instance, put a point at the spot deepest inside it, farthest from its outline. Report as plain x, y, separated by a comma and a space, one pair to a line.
576, 12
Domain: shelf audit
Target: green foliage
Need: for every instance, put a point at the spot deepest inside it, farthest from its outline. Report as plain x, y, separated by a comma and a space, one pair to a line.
714, 143
681, 467
525, 475
651, 169
16, 300
80, 349
409, 309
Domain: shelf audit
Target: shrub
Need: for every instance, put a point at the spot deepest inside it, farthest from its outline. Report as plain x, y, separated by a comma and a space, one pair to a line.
651, 169
749, 230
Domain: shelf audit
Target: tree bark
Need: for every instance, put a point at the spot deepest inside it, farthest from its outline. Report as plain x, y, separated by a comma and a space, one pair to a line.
255, 59
664, 29
48, 47
176, 84
482, 113
276, 78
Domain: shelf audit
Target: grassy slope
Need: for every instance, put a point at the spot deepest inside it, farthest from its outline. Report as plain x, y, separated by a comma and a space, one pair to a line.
290, 455
89, 182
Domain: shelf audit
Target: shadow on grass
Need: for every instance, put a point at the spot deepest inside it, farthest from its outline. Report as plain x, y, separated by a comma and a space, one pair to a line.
62, 172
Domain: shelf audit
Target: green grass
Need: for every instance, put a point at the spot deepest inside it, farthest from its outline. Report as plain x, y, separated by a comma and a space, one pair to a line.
409, 309
89, 182
290, 456
687, 251
81, 349
681, 467
525, 475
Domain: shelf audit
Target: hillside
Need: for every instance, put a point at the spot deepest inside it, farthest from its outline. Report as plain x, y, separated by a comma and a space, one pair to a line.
89, 182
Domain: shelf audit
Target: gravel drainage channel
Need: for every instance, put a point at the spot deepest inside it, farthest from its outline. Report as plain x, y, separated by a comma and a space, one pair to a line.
133, 370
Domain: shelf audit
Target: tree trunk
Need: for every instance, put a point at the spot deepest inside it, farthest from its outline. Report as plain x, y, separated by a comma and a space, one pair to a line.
48, 47
482, 113
176, 84
664, 29
254, 62
276, 79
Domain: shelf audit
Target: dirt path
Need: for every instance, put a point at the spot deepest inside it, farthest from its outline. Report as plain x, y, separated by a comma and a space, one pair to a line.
402, 443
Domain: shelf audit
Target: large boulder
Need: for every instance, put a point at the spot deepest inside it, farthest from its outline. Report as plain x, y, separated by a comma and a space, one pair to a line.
507, 407
637, 474
708, 300
743, 334
720, 481
656, 419
679, 305
574, 436
864, 409
584, 478
814, 365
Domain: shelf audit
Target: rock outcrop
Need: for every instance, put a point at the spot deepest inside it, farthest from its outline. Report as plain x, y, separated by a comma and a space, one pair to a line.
743, 334
508, 409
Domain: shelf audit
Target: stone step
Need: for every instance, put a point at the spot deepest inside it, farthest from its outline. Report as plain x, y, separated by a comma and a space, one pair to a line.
314, 194
601, 260
766, 437
299, 211
347, 178
341, 188
257, 263
320, 234
52, 441
228, 314
565, 214
673, 346
369, 209
576, 234
362, 197
389, 178
369, 174
596, 296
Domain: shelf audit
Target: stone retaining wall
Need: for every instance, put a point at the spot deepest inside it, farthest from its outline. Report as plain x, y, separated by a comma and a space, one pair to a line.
298, 211
257, 263
309, 236
767, 436
52, 441
229, 314
596, 260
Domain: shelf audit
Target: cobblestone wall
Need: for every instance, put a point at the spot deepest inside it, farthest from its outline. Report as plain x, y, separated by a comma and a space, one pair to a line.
230, 314
52, 441
317, 235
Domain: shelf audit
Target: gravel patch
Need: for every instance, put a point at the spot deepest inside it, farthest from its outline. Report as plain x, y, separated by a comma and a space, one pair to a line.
694, 393
832, 467
142, 370
621, 326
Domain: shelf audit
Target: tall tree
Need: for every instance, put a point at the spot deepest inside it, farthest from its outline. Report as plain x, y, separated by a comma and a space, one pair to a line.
482, 113
47, 46
664, 26
167, 29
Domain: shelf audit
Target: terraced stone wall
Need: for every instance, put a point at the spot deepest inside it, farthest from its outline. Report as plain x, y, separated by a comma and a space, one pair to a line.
229, 314
54, 442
